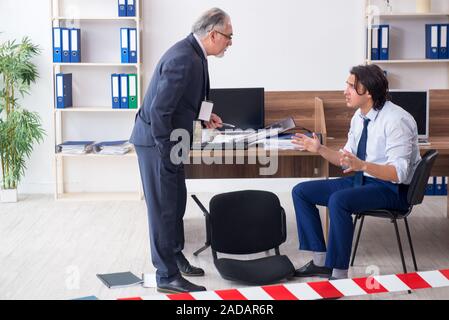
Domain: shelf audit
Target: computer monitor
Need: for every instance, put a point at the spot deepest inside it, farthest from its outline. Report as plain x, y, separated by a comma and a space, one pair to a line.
242, 107
417, 104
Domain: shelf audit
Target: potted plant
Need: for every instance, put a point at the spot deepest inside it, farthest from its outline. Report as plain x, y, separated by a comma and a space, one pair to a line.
20, 129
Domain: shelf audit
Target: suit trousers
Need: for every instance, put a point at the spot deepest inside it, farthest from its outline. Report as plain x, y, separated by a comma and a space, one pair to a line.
165, 195
342, 199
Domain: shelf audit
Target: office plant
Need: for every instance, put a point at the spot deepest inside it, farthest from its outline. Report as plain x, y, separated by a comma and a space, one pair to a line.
20, 129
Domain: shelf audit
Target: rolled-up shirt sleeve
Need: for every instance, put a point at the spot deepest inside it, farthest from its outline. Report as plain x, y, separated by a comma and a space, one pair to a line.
400, 138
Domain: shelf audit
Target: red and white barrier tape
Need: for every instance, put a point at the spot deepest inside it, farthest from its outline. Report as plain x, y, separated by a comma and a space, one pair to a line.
320, 289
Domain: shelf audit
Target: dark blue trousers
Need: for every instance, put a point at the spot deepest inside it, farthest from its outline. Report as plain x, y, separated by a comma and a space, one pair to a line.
165, 195
342, 199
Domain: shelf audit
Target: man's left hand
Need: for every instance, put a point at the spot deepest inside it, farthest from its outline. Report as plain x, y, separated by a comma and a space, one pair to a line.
351, 162
214, 122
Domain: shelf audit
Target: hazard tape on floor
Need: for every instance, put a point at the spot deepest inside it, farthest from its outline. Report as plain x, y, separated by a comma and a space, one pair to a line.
321, 289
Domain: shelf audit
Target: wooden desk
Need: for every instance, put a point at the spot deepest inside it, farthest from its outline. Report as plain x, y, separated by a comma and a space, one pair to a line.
290, 163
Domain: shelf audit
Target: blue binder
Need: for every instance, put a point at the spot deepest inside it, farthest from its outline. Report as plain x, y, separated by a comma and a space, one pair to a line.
122, 4
429, 188
65, 36
75, 45
63, 90
132, 34
123, 91
57, 45
444, 187
443, 53
432, 41
375, 43
131, 8
115, 90
124, 44
438, 187
384, 42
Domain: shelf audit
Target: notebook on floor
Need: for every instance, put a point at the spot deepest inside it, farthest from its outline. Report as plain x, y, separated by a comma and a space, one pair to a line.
119, 279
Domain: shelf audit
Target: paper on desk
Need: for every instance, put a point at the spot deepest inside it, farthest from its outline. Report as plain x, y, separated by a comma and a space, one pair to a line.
224, 138
280, 144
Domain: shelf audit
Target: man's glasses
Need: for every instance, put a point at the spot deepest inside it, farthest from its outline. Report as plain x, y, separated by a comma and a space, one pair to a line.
227, 36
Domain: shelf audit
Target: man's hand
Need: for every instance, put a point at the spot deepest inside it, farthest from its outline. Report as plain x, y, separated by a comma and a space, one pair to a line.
304, 142
351, 163
214, 122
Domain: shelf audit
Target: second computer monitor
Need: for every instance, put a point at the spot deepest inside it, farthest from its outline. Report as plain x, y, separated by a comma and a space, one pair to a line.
242, 107
417, 104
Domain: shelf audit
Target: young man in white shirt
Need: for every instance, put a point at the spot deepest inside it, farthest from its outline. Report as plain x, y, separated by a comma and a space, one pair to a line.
382, 150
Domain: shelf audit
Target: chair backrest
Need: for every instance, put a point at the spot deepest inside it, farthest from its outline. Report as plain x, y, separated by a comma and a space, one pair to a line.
420, 178
246, 222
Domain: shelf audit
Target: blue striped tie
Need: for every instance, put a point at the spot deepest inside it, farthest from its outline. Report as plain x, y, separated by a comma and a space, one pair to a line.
361, 152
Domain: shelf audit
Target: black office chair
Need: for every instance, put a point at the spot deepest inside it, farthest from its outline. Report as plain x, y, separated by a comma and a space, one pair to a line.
415, 196
247, 222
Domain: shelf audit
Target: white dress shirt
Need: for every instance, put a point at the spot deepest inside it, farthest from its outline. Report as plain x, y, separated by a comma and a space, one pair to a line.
392, 139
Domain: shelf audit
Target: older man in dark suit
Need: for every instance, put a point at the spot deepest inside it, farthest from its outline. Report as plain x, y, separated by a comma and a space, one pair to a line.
179, 85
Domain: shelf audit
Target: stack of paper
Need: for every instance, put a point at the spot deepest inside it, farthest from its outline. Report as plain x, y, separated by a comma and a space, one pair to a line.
75, 147
113, 147
280, 144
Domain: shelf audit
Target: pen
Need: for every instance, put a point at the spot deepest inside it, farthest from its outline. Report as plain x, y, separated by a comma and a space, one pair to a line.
227, 125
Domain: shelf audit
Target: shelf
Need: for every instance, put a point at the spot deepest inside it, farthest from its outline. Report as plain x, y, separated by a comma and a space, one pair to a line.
100, 196
88, 64
409, 15
407, 61
131, 154
97, 18
100, 109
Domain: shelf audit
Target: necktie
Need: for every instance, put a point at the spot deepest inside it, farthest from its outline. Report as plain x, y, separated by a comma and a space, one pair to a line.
361, 152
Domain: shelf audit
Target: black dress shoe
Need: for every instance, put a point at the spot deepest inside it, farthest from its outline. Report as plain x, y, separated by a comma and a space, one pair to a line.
188, 270
311, 270
179, 285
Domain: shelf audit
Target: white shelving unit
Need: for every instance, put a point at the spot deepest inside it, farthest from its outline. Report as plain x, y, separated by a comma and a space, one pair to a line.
59, 122
408, 54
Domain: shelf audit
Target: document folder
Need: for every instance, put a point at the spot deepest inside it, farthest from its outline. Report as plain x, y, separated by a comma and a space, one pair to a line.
119, 280
132, 91
432, 41
75, 45
63, 90
124, 91
384, 42
443, 53
122, 4
57, 45
65, 45
375, 43
131, 8
124, 45
132, 45
115, 91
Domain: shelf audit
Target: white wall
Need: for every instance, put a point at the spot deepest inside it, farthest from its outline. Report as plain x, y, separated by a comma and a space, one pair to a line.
279, 45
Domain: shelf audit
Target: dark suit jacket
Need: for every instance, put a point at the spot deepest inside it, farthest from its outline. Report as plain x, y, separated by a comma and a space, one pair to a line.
179, 84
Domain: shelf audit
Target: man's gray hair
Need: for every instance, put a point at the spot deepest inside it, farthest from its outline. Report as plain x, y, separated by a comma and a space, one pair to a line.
208, 20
